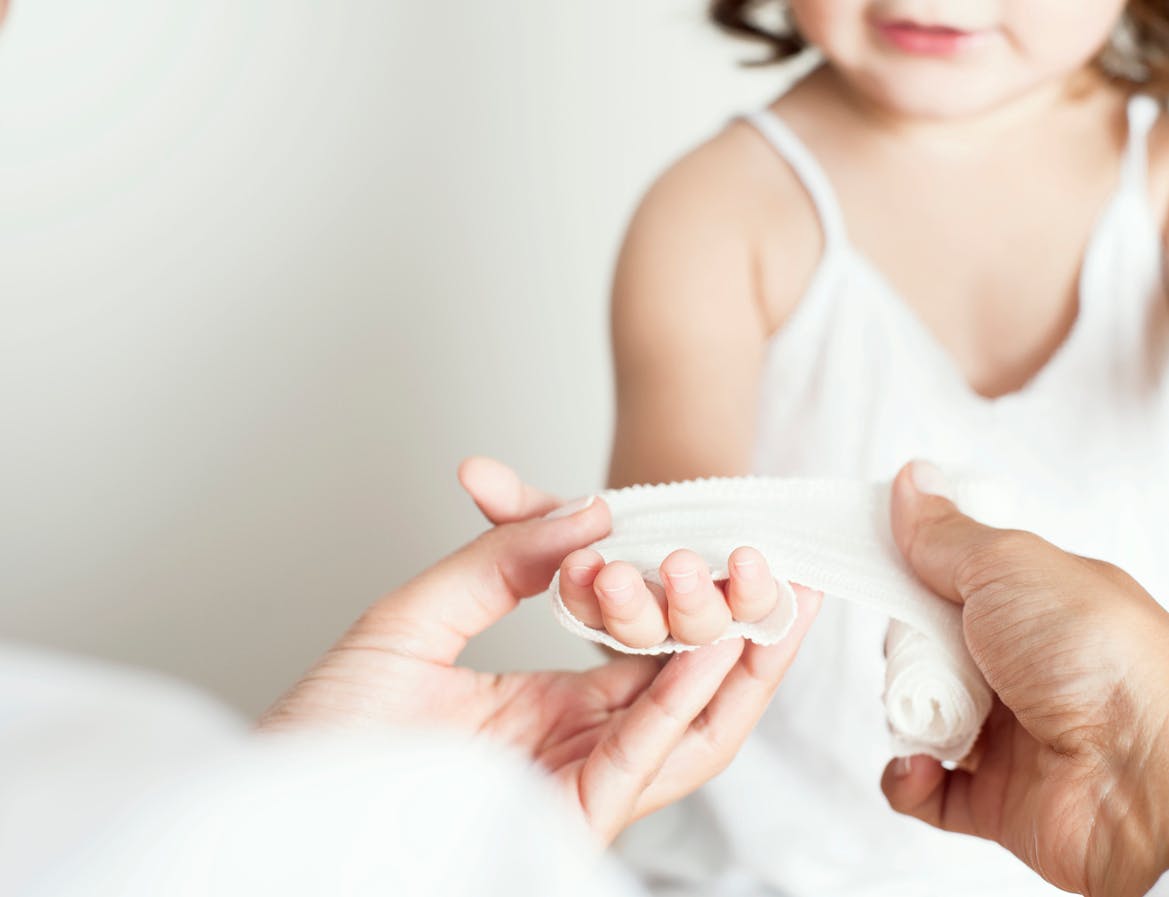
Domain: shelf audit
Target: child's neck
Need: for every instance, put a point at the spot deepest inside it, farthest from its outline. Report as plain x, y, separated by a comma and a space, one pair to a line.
1038, 106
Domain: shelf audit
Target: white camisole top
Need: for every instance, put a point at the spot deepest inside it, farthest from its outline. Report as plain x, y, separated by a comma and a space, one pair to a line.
854, 386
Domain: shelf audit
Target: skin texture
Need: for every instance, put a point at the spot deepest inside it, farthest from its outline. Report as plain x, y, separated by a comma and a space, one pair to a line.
1071, 772
1025, 47
621, 740
723, 245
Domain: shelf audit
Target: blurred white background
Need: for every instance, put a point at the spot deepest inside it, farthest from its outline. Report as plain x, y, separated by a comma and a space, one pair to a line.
270, 268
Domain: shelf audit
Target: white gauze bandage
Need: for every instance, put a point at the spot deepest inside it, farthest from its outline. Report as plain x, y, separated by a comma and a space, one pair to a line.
832, 536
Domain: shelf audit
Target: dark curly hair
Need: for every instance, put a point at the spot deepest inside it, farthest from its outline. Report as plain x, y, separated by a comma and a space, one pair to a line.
1140, 59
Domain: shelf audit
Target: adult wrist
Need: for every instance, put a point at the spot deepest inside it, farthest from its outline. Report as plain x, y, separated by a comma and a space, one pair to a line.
1159, 768
1159, 749
1129, 839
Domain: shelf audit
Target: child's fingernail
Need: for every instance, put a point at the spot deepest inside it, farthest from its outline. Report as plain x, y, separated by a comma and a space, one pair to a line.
902, 767
618, 595
748, 569
928, 480
580, 576
573, 507
683, 583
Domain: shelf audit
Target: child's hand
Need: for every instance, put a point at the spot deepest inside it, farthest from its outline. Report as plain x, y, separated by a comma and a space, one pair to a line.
690, 606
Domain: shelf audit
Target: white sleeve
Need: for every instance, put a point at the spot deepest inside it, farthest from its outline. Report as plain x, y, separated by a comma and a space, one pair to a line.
121, 784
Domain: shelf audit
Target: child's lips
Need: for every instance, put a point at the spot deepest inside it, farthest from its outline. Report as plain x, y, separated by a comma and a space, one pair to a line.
928, 40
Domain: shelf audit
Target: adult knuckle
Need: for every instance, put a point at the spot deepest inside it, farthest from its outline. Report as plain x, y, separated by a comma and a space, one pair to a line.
718, 747
616, 755
1016, 546
665, 709
1112, 574
993, 563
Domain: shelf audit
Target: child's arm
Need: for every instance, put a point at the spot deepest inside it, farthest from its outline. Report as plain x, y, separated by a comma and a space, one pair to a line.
688, 331
689, 334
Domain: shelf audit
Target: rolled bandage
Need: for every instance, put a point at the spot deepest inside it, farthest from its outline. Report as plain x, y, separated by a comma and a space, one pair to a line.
832, 536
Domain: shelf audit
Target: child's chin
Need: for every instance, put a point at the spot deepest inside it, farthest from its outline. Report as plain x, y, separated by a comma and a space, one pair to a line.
940, 94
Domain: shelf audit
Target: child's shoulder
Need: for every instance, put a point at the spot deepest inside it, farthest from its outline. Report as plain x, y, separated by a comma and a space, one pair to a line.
731, 201
733, 177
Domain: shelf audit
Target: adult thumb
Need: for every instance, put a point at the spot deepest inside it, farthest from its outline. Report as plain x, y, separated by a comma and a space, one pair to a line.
434, 615
942, 545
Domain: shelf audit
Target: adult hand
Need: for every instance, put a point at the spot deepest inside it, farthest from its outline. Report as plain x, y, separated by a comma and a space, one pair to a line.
621, 740
1071, 772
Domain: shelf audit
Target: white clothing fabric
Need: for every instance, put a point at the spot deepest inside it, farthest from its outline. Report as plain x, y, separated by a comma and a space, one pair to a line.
853, 387
832, 536
118, 783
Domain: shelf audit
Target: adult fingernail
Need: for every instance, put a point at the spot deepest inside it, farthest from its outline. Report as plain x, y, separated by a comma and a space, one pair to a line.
928, 480
902, 767
573, 507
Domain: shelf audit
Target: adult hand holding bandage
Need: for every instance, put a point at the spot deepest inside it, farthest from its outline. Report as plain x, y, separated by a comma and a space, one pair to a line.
620, 741
1071, 773
640, 591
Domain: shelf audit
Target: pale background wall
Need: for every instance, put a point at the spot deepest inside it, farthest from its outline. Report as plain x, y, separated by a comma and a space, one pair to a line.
270, 268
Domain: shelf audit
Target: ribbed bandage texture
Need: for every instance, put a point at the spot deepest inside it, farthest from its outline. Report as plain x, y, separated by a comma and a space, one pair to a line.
832, 536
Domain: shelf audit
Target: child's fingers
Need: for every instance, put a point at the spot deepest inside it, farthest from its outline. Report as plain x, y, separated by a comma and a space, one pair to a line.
752, 591
577, 575
632, 614
626, 760
698, 611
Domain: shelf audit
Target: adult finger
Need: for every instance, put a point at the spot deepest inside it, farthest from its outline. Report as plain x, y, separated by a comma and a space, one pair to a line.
434, 615
922, 788
729, 717
751, 684
617, 684
501, 494
956, 800
614, 775
952, 554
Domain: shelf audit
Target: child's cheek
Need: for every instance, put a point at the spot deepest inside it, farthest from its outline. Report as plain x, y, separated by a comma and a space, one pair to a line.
1057, 36
837, 26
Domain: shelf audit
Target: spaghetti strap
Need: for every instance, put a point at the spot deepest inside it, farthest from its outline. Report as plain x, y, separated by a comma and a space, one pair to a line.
1143, 111
793, 150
